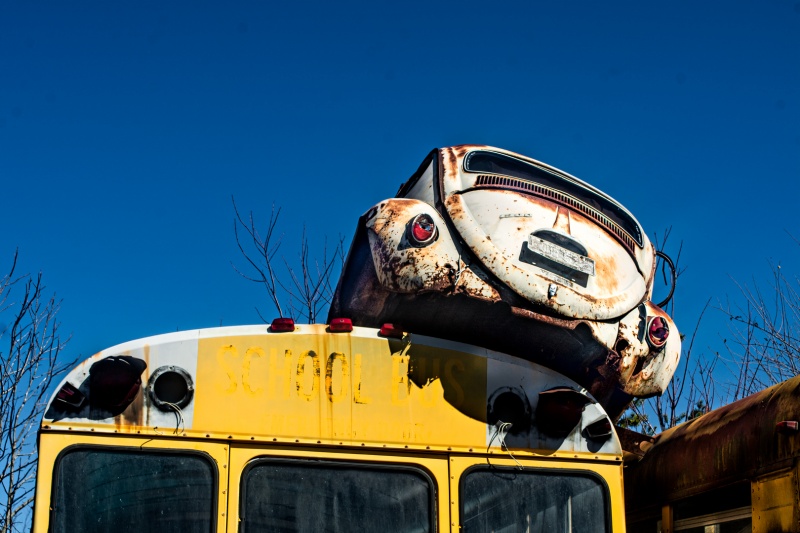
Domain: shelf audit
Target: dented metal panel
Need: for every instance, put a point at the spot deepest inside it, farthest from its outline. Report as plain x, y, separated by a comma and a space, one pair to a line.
404, 267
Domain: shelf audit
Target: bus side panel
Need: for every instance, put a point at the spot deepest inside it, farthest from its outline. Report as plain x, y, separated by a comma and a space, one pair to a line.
775, 502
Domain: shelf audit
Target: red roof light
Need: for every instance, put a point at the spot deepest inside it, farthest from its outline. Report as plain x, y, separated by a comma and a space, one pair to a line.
341, 325
282, 325
392, 330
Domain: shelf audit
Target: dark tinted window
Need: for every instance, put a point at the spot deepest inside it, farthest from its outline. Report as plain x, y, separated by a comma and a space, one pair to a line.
130, 491
532, 501
310, 497
495, 163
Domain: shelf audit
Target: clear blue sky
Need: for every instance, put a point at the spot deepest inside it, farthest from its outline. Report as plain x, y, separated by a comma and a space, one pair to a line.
126, 127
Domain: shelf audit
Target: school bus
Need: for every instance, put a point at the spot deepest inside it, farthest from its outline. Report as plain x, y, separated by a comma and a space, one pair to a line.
303, 428
735, 469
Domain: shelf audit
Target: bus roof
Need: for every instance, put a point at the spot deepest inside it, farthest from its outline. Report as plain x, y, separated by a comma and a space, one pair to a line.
313, 386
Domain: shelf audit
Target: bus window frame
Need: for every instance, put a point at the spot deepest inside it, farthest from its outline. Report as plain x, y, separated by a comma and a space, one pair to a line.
463, 466
435, 467
312, 462
209, 460
53, 446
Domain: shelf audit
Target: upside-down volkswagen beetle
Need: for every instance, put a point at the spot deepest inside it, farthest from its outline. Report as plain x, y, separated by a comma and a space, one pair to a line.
488, 247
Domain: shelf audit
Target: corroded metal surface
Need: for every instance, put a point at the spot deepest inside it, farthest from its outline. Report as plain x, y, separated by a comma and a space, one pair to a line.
733, 443
495, 222
518, 267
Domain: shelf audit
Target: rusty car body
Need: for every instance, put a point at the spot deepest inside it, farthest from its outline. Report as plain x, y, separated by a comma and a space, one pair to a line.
488, 247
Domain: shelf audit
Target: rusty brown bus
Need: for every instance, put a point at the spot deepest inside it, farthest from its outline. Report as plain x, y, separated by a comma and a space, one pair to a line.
732, 470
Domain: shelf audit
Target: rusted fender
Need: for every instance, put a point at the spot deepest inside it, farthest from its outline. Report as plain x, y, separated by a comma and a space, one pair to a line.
644, 369
405, 268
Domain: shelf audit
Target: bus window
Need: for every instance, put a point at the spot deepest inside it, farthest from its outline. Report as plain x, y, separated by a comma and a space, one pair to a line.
100, 490
311, 496
507, 499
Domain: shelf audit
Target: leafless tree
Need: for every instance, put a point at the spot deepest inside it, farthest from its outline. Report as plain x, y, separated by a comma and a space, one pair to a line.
307, 288
764, 343
30, 345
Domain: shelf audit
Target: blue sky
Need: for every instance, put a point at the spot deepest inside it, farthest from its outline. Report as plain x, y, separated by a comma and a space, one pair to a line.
126, 128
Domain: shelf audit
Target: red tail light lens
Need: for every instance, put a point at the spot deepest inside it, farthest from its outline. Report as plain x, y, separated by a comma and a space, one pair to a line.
392, 330
281, 325
341, 325
657, 332
423, 229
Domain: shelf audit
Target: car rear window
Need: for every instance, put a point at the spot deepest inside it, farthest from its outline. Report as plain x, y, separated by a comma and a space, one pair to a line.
495, 163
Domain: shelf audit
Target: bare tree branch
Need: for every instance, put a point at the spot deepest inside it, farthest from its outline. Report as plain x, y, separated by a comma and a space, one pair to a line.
262, 260
307, 287
29, 351
764, 342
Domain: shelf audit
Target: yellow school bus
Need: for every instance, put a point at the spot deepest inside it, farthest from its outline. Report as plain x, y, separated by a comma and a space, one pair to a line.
308, 428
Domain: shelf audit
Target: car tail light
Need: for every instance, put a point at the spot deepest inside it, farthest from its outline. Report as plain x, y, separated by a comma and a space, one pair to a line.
341, 325
423, 230
281, 325
559, 411
392, 330
657, 332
